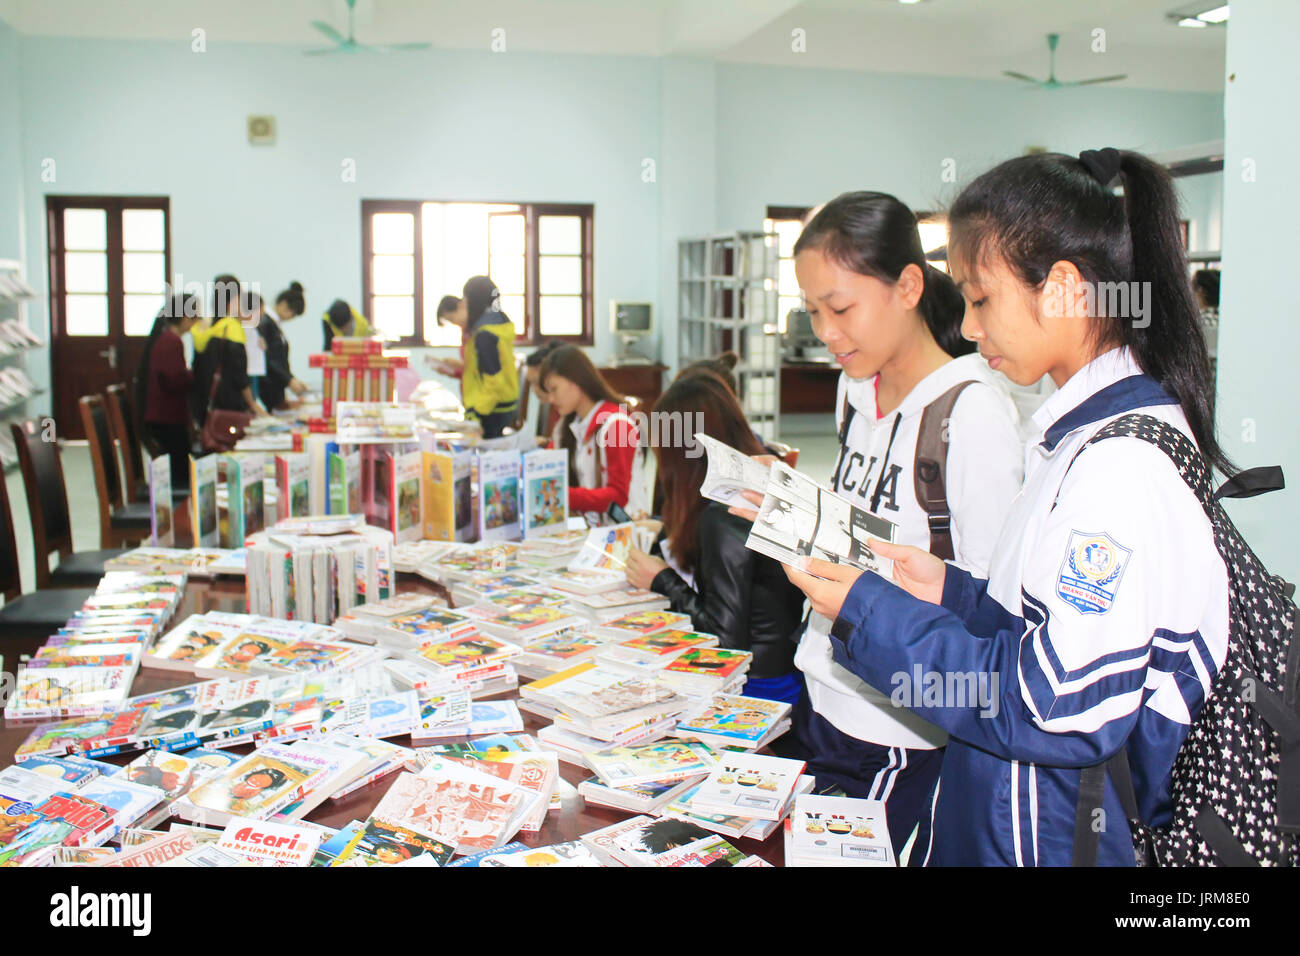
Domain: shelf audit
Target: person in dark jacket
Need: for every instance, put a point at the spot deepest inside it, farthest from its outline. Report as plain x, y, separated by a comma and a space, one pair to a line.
220, 352
741, 596
163, 385
279, 378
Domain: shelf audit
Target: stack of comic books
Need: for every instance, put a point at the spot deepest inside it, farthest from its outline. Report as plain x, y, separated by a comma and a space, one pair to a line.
367, 622
745, 795
837, 831
644, 841
602, 701
732, 721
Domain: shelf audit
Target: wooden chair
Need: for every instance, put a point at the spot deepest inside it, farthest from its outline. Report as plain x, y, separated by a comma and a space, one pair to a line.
26, 620
120, 524
122, 426
47, 507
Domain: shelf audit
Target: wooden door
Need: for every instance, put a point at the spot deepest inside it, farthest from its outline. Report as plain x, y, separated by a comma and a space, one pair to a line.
109, 261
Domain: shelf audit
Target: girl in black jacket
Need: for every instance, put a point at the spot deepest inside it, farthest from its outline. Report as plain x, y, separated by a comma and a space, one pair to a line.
743, 597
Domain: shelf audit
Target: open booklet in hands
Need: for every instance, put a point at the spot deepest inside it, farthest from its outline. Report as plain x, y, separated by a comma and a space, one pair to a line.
798, 517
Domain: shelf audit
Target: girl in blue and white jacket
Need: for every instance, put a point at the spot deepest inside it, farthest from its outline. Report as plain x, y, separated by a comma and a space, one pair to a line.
1103, 621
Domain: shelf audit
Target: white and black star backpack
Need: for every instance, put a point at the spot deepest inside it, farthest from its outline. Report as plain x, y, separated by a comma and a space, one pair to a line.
1236, 781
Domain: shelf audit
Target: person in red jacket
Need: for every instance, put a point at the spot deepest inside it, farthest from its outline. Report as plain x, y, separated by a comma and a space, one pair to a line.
163, 386
595, 430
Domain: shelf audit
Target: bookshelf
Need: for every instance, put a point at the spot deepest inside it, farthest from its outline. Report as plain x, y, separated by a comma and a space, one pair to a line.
727, 300
16, 387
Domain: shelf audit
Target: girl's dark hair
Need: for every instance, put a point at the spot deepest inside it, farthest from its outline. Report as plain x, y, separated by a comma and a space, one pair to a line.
1034, 211
723, 367
340, 314
571, 362
446, 305
481, 294
874, 234
706, 395
538, 355
293, 298
179, 305
225, 294
1206, 282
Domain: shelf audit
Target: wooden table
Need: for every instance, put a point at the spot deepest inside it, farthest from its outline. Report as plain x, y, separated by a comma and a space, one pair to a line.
573, 819
808, 387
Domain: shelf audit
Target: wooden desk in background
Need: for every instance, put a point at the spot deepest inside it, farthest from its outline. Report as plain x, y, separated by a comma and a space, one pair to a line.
575, 817
645, 383
808, 387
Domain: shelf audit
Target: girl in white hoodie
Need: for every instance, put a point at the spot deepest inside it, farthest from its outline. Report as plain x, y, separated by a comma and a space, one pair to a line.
893, 324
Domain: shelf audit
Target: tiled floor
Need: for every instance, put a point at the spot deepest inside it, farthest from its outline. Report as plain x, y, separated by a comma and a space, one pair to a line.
79, 478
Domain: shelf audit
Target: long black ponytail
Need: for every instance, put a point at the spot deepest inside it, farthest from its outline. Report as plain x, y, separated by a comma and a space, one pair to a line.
1034, 211
874, 234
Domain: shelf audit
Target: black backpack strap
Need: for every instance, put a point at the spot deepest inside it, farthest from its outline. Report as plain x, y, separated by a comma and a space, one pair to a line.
1219, 837
930, 473
1252, 482
1092, 791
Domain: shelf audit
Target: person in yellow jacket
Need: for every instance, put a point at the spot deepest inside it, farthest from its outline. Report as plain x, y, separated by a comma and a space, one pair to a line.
220, 352
489, 380
344, 321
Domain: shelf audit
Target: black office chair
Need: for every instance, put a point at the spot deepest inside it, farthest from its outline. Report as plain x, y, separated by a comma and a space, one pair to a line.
47, 507
26, 620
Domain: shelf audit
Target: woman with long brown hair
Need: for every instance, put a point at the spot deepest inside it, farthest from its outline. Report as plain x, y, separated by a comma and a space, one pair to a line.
743, 597
595, 430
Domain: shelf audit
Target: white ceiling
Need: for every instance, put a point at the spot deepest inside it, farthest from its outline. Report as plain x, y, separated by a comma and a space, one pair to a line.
964, 38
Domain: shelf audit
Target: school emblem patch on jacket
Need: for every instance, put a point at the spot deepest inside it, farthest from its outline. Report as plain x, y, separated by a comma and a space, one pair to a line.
1091, 572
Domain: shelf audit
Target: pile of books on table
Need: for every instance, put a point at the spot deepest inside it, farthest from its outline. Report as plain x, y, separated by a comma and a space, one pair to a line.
88, 665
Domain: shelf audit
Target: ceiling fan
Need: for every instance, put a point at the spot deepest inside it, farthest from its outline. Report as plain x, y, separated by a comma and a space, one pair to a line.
348, 44
1052, 83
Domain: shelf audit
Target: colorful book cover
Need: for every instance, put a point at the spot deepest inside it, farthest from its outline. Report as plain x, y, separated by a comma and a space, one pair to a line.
269, 842
714, 661
62, 819
662, 760
379, 843
607, 548
668, 643
498, 495
162, 526
438, 493
406, 521
456, 805
467, 652
259, 784
171, 773
744, 719
293, 485
545, 492
643, 623
344, 479
643, 844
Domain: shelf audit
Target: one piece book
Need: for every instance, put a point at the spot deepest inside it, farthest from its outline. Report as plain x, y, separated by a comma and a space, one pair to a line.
837, 831
643, 624
748, 785
447, 496
498, 496
801, 518
292, 487
704, 671
405, 519
162, 526
545, 492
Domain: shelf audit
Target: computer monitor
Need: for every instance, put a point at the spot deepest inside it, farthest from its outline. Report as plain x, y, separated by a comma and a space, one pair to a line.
630, 318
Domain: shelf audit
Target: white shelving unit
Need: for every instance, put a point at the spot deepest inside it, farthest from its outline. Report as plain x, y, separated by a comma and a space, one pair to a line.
16, 340
727, 300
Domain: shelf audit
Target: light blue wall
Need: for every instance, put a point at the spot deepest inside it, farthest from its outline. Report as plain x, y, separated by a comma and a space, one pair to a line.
1259, 329
151, 117
154, 118
10, 146
794, 136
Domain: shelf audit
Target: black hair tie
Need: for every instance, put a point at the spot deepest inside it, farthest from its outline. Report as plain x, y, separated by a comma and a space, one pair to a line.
1103, 164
